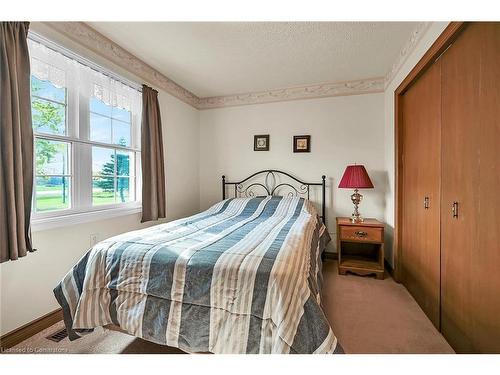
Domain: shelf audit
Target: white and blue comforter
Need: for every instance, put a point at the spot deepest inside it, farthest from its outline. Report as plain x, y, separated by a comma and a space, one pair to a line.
242, 277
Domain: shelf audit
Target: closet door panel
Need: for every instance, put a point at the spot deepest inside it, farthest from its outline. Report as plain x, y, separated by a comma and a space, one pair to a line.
460, 89
486, 299
421, 191
470, 307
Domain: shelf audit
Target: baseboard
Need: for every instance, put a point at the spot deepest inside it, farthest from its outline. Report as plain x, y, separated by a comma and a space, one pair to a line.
330, 256
30, 329
388, 268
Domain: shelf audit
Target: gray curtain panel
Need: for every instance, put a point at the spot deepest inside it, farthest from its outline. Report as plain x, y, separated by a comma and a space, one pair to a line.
16, 142
153, 171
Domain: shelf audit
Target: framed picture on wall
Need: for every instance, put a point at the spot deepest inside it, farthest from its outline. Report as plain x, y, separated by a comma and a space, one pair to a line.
261, 142
302, 143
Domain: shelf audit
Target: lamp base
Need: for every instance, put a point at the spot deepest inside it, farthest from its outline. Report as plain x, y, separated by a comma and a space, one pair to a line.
357, 219
356, 200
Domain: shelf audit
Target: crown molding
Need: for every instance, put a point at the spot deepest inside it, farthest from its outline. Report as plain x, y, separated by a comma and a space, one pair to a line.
322, 90
98, 43
406, 51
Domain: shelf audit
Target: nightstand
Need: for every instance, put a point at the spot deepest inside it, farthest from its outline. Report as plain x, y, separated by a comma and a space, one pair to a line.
360, 247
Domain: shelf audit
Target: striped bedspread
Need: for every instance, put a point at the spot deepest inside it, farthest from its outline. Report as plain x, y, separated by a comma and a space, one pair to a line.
242, 277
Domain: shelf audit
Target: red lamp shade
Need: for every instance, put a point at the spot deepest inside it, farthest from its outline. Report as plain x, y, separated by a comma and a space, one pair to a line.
355, 177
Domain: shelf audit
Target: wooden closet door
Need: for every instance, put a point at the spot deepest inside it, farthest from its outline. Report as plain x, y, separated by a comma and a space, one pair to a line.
421, 179
470, 296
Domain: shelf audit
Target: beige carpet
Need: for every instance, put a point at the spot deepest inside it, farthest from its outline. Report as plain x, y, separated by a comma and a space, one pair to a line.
367, 315
377, 316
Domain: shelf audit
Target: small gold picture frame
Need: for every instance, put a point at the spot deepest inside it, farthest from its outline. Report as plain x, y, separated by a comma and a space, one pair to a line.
302, 143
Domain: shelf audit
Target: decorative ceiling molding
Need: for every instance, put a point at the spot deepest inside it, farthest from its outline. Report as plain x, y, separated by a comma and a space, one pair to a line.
98, 43
323, 90
407, 50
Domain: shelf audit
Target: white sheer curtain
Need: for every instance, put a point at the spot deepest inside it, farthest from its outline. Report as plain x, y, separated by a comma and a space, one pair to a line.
47, 64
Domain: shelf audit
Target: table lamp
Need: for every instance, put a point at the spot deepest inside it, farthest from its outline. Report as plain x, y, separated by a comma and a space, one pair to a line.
355, 177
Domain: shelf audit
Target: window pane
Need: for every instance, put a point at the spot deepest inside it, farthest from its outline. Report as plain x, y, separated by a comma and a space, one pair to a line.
123, 190
103, 161
103, 190
121, 133
48, 117
124, 162
52, 193
100, 107
100, 128
121, 114
52, 157
47, 90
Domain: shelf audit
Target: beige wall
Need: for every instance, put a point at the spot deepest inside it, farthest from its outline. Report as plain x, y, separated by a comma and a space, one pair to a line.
26, 284
435, 29
343, 130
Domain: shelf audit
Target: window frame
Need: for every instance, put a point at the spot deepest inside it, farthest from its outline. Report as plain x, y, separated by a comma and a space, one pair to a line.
81, 209
115, 176
70, 175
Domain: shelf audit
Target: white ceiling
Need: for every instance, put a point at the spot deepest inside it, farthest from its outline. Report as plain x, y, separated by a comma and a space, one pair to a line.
223, 58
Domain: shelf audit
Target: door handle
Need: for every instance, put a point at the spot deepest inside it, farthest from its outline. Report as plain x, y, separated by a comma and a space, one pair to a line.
454, 210
426, 203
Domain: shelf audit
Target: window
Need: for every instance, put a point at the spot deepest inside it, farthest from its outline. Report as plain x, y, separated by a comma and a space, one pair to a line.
48, 104
109, 124
53, 178
86, 127
112, 176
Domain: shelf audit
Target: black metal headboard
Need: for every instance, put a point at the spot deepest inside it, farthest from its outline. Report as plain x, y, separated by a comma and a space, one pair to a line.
270, 186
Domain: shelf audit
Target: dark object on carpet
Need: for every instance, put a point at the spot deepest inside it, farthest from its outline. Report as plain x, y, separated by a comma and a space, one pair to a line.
58, 336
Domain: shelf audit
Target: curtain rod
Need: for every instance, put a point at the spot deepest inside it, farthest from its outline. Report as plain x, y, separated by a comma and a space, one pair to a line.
82, 60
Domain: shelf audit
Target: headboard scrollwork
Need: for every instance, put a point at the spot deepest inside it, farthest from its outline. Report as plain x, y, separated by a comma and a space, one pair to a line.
272, 185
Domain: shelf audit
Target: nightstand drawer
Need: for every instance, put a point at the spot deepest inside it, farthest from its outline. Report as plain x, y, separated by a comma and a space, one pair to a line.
361, 233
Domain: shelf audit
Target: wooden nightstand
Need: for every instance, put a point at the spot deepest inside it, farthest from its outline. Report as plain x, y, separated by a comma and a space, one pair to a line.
360, 247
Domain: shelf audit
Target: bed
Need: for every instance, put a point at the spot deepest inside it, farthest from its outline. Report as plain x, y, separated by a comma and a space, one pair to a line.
243, 276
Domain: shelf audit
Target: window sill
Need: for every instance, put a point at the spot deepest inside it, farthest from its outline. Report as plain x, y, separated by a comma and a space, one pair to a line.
45, 223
